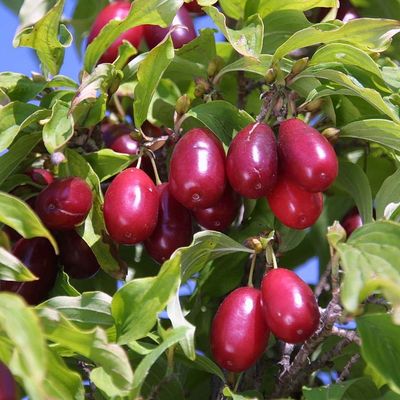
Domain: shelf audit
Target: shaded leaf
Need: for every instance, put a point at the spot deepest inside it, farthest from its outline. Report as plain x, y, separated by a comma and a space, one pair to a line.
12, 269
388, 193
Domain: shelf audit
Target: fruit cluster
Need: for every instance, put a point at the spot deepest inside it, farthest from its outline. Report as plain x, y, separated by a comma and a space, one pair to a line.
285, 306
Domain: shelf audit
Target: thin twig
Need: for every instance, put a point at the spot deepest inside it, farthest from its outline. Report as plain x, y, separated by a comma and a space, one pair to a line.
348, 334
285, 360
323, 284
347, 368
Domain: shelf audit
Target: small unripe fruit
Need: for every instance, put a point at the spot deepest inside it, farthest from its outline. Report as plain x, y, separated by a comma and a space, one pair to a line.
239, 334
182, 104
289, 306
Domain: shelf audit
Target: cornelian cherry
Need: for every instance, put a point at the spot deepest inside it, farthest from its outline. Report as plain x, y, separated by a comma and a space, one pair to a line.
64, 203
39, 256
306, 156
41, 176
8, 387
193, 7
252, 161
289, 306
197, 169
294, 206
239, 334
351, 221
180, 36
115, 11
173, 230
131, 207
219, 216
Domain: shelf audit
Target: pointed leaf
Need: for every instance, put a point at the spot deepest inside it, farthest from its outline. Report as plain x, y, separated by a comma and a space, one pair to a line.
388, 193
12, 269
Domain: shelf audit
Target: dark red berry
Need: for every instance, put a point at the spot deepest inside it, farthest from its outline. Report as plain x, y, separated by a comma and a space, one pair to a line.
306, 156
197, 169
294, 206
131, 207
351, 221
289, 306
180, 36
193, 7
125, 144
346, 12
65, 203
111, 132
76, 256
219, 216
252, 161
8, 387
41, 176
115, 11
151, 130
239, 334
173, 230
39, 256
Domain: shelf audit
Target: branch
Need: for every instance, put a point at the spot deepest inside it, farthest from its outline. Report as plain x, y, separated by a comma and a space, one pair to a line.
285, 360
347, 369
323, 284
347, 334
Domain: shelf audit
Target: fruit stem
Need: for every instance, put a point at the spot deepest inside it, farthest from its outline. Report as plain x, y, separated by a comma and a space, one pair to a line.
239, 378
119, 107
139, 162
252, 267
153, 163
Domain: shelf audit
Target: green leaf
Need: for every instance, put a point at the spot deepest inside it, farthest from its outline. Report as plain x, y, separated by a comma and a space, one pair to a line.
12, 269
20, 87
141, 371
352, 180
22, 327
87, 311
247, 41
370, 262
221, 117
45, 38
61, 382
62, 286
381, 347
17, 153
371, 35
149, 74
355, 389
19, 216
91, 344
107, 163
266, 7
142, 12
93, 229
388, 193
233, 8
15, 117
381, 131
242, 396
136, 305
60, 127
345, 85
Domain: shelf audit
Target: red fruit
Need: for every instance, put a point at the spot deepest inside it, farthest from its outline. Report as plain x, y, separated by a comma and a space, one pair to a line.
112, 132
306, 156
41, 176
294, 206
180, 36
125, 144
351, 221
193, 7
115, 11
197, 169
65, 203
173, 230
151, 130
220, 216
76, 256
8, 387
131, 207
239, 334
38, 255
252, 161
289, 306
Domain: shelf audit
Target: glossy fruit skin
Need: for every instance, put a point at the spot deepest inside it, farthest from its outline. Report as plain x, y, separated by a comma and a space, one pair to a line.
289, 306
8, 387
117, 10
76, 256
131, 207
125, 144
41, 176
306, 156
111, 132
351, 221
294, 206
221, 215
197, 169
173, 230
239, 334
39, 256
64, 203
180, 36
193, 7
252, 161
